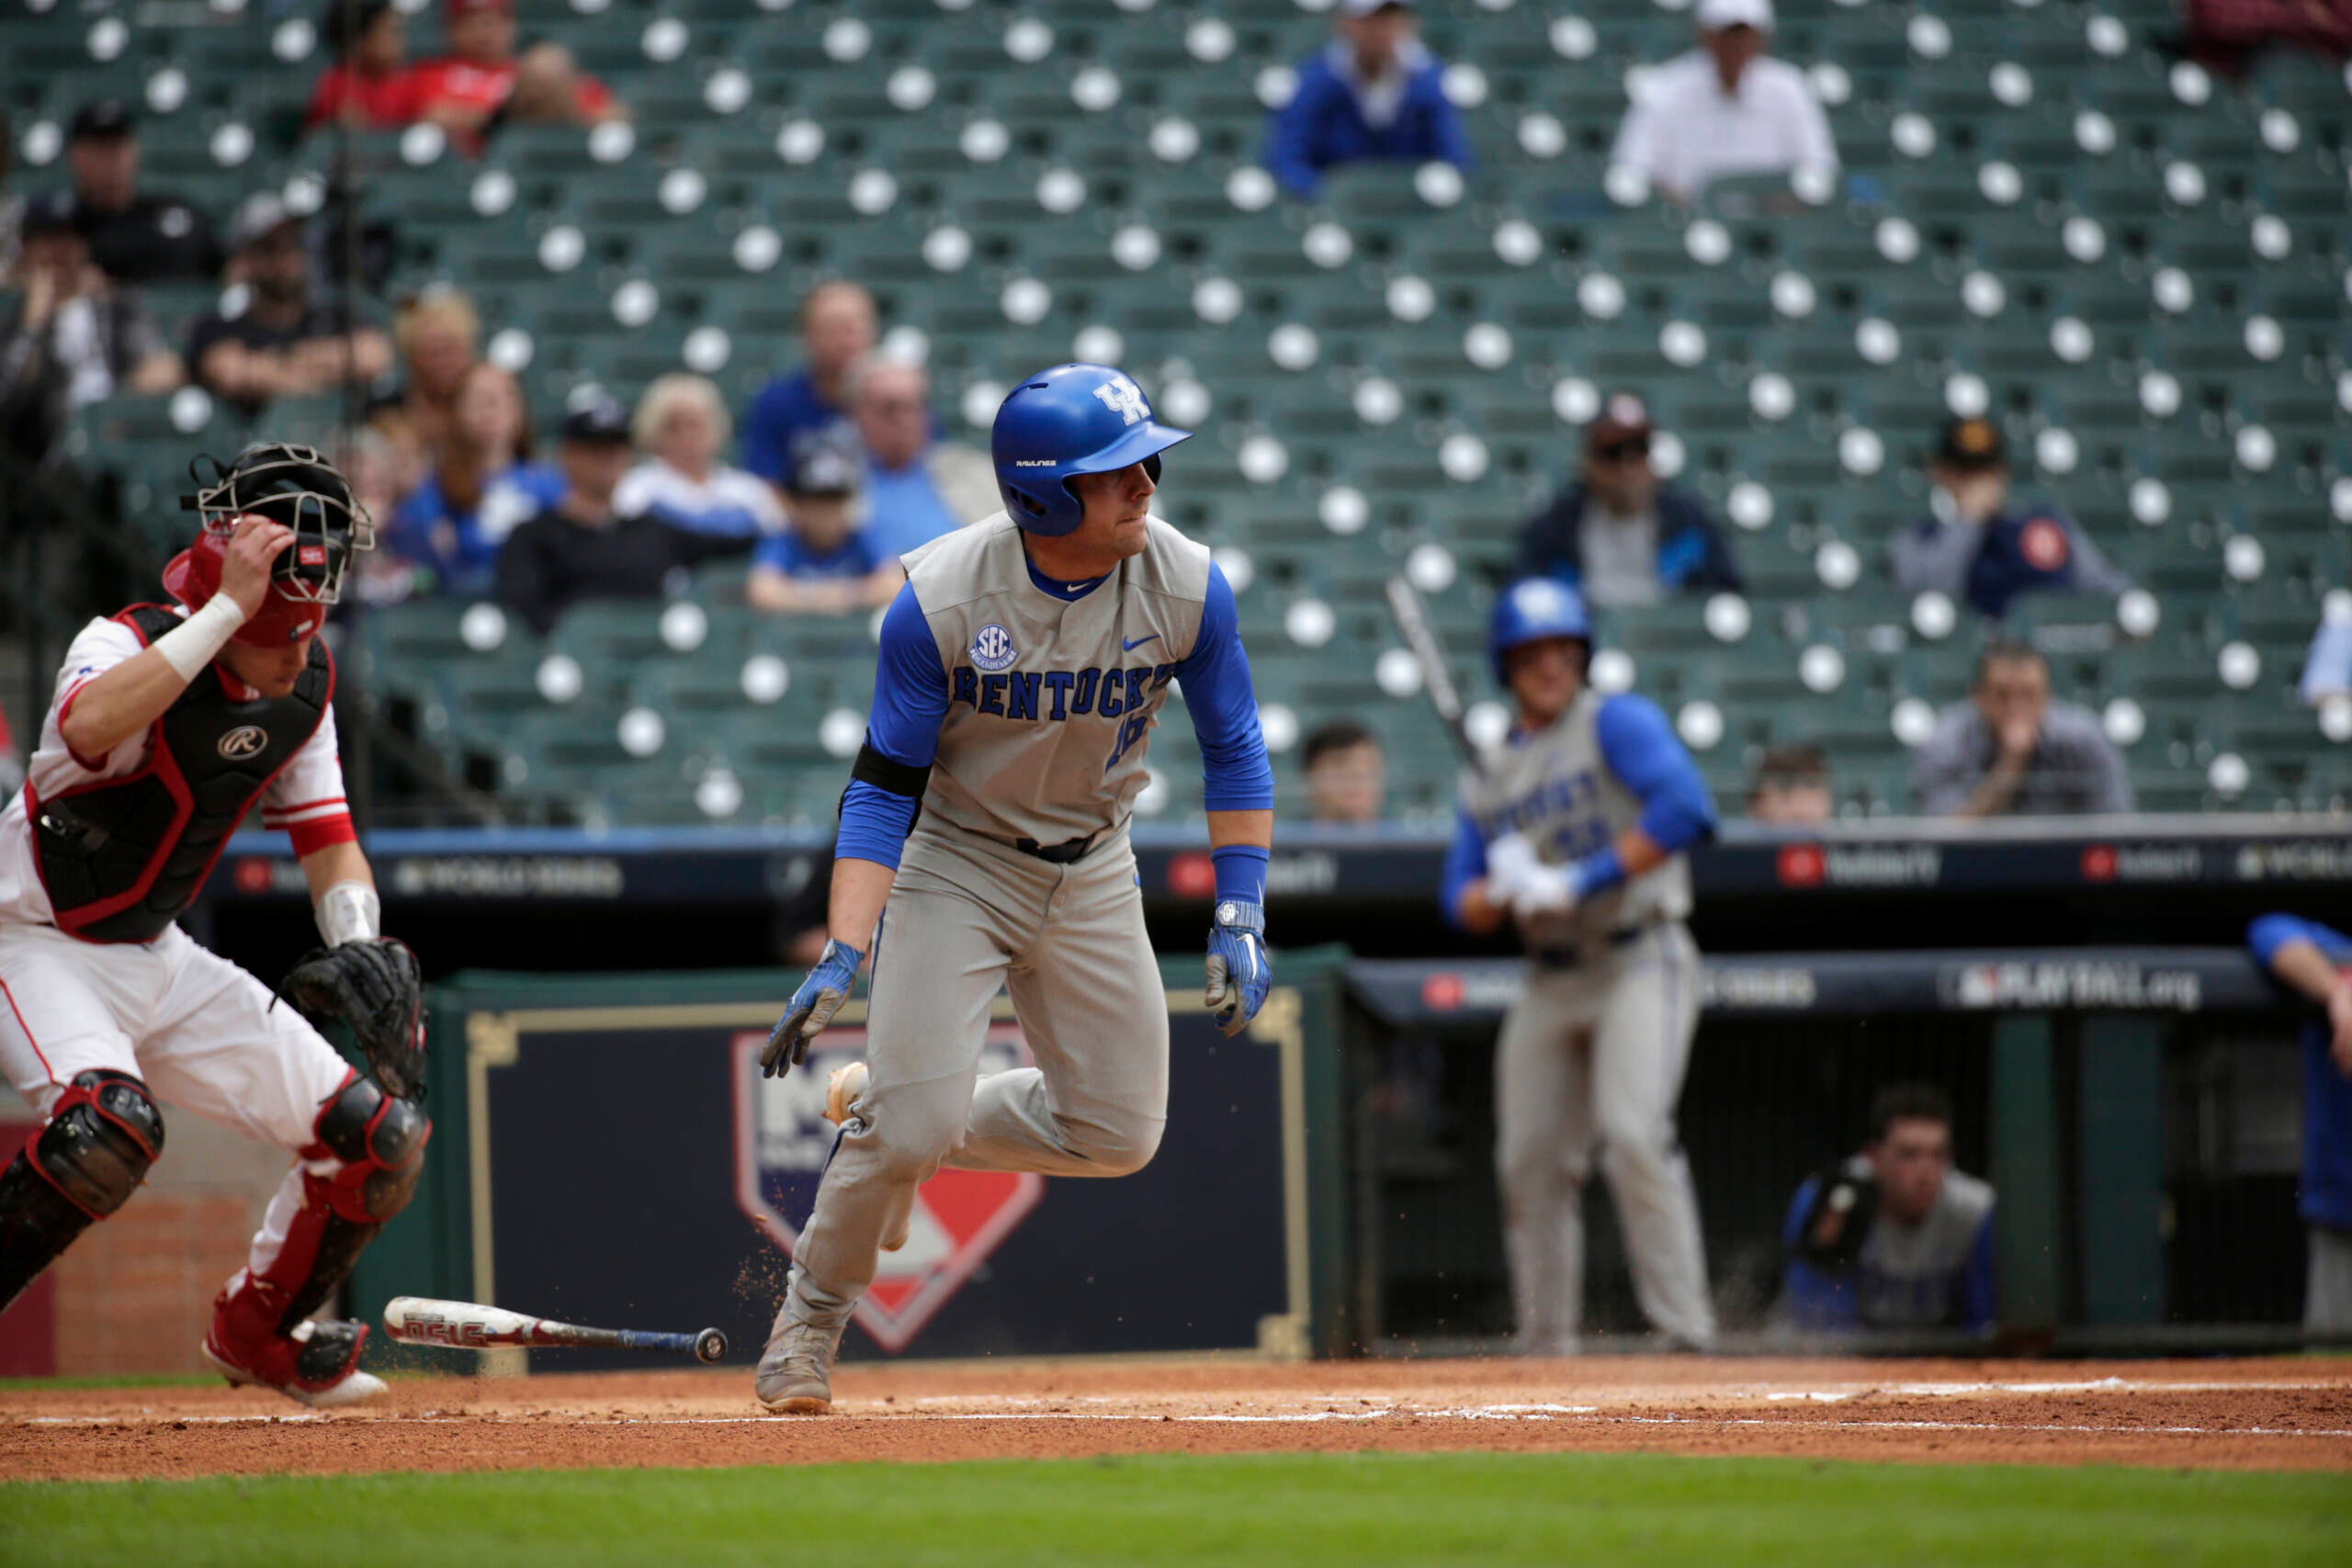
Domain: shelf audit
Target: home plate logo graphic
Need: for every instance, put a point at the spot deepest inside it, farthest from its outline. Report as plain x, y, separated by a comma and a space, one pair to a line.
781, 1141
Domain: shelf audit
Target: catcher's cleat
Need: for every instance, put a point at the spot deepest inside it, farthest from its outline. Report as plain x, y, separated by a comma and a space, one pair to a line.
842, 1092
796, 1370
317, 1364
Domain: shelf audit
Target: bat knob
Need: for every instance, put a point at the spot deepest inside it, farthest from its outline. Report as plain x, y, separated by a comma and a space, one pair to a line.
710, 1346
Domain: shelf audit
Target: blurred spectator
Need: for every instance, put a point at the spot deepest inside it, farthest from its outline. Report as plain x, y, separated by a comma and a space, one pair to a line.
1975, 548
371, 85
483, 488
1374, 92
824, 564
917, 487
1618, 535
2010, 752
12, 209
71, 339
1792, 786
283, 343
2317, 962
1892, 1238
439, 337
1725, 108
134, 238
682, 423
1347, 774
2327, 669
482, 82
2231, 35
809, 407
583, 544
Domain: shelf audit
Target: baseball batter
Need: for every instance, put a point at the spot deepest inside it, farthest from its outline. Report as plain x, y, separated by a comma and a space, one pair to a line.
1023, 668
1576, 827
169, 725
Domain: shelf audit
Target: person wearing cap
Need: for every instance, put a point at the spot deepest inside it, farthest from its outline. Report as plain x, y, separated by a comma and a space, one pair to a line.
1725, 108
1374, 92
485, 81
72, 338
682, 423
1617, 534
807, 408
134, 238
282, 343
587, 545
917, 486
1976, 547
825, 564
371, 85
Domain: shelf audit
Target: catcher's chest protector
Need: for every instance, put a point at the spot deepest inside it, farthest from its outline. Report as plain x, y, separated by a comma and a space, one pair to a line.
122, 857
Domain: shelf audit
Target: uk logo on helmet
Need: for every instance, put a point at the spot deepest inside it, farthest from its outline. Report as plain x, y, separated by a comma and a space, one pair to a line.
1124, 398
782, 1142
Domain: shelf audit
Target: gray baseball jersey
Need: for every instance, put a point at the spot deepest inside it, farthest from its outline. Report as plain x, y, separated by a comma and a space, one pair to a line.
1590, 1060
1051, 703
1554, 788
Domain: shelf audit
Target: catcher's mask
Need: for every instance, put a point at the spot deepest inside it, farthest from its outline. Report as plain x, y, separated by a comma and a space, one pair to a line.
290, 485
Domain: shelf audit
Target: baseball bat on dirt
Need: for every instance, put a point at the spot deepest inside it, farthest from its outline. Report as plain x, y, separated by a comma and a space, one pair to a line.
469, 1326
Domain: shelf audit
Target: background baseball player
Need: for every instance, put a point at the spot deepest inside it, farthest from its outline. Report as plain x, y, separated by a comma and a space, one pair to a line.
169, 725
2316, 960
1022, 667
1575, 826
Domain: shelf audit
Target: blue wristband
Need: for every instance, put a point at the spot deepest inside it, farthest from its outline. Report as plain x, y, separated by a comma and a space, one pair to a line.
1240, 873
1597, 873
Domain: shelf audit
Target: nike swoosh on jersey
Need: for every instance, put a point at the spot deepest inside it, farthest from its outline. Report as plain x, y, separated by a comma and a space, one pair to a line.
1131, 646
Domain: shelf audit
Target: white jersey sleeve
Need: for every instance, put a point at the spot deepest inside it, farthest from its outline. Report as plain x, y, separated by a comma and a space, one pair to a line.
306, 800
96, 648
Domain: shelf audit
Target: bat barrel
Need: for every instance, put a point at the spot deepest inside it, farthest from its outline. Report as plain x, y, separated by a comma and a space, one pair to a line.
469, 1326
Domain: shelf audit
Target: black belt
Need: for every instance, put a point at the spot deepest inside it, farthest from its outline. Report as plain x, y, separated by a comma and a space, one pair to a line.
1064, 853
1570, 957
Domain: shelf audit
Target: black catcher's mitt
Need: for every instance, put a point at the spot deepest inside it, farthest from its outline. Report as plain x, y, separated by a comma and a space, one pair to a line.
375, 987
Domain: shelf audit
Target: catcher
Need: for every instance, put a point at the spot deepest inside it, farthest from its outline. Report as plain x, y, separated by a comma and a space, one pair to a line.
169, 724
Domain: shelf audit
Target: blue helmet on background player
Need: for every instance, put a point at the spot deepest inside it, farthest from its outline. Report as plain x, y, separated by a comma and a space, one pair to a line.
1531, 611
1071, 420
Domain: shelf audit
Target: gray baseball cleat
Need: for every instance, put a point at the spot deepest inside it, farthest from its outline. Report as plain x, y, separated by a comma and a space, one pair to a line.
795, 1376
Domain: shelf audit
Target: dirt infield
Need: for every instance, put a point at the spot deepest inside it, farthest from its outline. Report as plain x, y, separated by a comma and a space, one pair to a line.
2279, 1414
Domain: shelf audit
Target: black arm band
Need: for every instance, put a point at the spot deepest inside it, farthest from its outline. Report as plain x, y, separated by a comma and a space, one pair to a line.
884, 774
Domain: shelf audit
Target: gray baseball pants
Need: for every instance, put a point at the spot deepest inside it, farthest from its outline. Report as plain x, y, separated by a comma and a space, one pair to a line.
967, 916
1594, 1054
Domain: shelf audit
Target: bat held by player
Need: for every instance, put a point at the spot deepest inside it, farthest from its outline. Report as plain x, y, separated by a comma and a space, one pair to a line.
471, 1325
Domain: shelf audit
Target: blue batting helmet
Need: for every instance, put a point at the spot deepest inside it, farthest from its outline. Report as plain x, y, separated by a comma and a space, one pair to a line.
1071, 420
1531, 611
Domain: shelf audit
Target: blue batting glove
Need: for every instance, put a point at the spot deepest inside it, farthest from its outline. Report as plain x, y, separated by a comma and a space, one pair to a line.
1240, 971
813, 1005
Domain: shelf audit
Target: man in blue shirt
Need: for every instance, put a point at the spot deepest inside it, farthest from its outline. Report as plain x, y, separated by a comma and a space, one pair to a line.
823, 563
1374, 92
1976, 547
1619, 536
809, 407
2316, 962
917, 486
1892, 1237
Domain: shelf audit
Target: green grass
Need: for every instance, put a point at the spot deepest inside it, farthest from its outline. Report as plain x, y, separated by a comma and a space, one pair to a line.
1622, 1510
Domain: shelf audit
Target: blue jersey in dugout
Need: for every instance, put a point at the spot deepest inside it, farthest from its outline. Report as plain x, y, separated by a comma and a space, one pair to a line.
2327, 1093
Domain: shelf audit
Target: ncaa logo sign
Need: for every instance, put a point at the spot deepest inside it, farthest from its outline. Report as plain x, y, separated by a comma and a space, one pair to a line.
992, 647
245, 740
783, 1140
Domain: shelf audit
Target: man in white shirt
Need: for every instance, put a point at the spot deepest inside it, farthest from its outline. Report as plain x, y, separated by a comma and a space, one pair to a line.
1725, 108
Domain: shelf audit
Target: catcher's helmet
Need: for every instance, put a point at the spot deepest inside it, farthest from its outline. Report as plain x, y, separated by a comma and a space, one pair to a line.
1071, 420
1531, 611
289, 485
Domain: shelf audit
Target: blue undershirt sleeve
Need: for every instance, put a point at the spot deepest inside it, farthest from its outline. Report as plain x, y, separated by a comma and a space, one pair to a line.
2270, 933
1641, 749
1235, 775
1465, 862
910, 701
